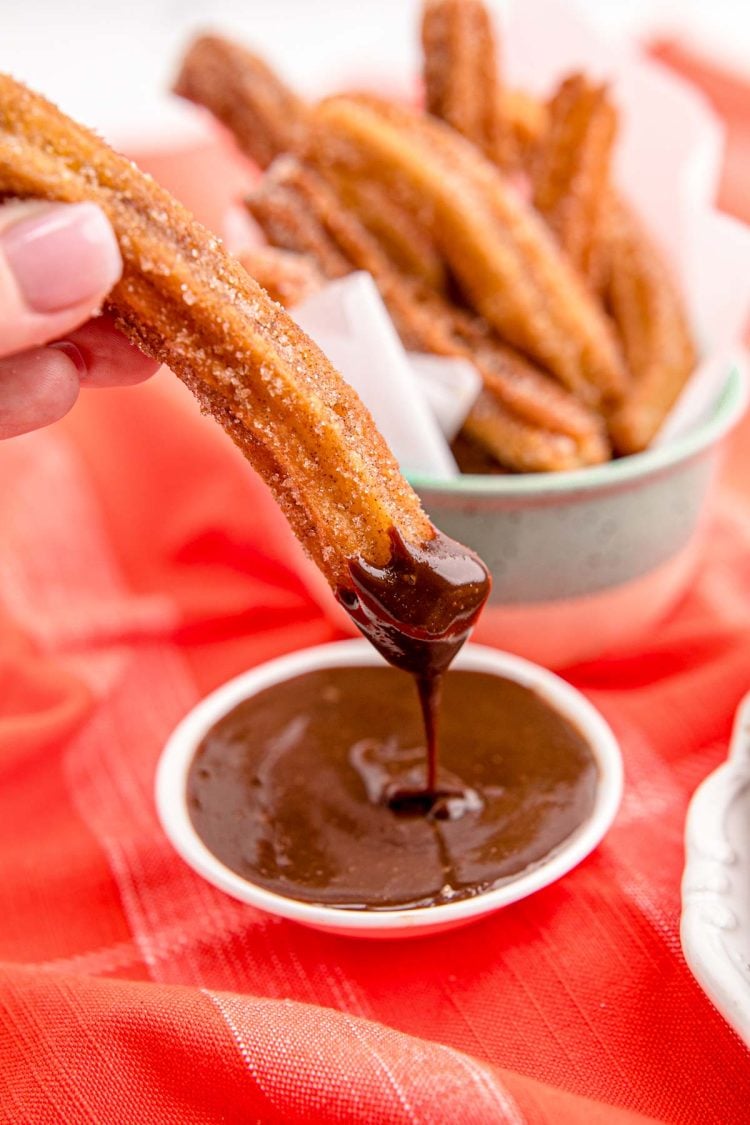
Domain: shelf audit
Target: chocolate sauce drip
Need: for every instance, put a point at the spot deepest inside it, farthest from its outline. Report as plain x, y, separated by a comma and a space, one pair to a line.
417, 611
312, 788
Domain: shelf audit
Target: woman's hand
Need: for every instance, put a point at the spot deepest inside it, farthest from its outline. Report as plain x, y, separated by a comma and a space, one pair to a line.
57, 264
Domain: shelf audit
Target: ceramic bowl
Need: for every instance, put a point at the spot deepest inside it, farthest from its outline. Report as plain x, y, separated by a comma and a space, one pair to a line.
171, 794
588, 560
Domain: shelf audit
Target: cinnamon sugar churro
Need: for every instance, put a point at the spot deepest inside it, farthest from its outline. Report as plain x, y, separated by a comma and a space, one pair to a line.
571, 170
461, 77
652, 321
522, 417
288, 278
267, 118
406, 243
602, 236
263, 114
500, 251
526, 118
187, 303
288, 223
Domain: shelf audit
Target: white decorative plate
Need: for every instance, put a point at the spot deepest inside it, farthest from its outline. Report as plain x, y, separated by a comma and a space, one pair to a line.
715, 928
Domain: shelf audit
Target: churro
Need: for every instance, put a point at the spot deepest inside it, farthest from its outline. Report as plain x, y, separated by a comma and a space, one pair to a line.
522, 418
187, 303
526, 118
263, 114
288, 278
571, 170
651, 318
500, 251
406, 243
267, 118
288, 224
472, 459
605, 240
461, 74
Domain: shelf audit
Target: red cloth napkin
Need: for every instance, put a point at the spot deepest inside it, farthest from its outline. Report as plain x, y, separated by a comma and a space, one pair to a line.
141, 563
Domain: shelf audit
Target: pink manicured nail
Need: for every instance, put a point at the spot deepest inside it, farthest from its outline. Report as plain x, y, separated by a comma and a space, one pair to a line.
62, 256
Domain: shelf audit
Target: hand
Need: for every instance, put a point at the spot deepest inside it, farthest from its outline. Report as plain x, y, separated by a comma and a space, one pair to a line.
57, 264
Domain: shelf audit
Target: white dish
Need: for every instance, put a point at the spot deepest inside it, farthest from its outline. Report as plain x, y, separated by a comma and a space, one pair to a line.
715, 927
171, 794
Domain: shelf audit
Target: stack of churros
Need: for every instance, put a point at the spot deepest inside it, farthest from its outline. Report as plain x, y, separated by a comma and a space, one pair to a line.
489, 223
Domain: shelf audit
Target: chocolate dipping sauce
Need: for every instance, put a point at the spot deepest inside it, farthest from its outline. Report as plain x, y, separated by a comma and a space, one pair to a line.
417, 611
294, 789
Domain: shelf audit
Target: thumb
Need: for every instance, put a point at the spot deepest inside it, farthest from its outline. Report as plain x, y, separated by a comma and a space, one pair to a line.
57, 263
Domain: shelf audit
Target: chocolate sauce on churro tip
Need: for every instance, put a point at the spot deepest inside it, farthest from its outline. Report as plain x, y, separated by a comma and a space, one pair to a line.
297, 788
417, 610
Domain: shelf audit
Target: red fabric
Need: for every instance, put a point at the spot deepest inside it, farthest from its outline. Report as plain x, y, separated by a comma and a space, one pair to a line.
141, 563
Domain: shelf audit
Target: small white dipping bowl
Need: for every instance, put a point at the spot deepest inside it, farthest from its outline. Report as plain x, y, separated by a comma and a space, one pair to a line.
172, 807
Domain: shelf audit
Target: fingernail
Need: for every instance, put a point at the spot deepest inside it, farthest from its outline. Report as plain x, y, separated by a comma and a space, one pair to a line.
74, 354
62, 256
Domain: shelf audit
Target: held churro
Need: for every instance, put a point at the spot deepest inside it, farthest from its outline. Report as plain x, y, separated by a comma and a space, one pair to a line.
651, 318
522, 417
571, 170
499, 250
460, 74
263, 114
187, 303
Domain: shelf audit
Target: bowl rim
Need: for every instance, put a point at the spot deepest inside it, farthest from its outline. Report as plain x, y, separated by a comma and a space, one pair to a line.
178, 752
727, 410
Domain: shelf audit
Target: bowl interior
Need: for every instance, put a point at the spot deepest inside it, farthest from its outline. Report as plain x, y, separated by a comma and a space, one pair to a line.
171, 792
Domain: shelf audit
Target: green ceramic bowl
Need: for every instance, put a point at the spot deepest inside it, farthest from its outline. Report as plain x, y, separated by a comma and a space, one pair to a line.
585, 561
